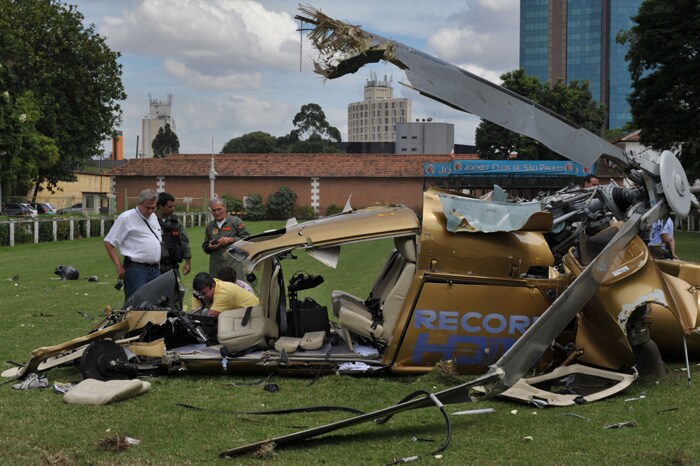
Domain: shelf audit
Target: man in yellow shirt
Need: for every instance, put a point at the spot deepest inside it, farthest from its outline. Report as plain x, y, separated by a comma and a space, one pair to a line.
220, 296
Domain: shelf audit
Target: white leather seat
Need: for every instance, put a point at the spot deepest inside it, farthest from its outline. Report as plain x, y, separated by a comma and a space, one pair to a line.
391, 288
262, 325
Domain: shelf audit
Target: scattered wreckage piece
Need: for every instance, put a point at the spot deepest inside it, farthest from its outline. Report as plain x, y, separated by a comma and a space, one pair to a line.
98, 392
584, 384
67, 272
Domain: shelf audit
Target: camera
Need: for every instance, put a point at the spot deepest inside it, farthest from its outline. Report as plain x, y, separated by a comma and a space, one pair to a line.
119, 285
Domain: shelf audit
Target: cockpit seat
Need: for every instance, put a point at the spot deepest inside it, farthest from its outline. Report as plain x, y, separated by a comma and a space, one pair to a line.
237, 332
375, 317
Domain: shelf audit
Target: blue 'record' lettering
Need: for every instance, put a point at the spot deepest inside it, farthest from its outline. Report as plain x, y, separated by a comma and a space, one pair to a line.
448, 320
491, 317
465, 321
518, 324
424, 318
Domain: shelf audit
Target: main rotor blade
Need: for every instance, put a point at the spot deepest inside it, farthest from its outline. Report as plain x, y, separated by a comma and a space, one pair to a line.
345, 48
457, 394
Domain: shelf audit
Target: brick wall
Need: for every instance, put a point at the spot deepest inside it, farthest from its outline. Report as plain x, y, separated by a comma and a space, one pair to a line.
365, 191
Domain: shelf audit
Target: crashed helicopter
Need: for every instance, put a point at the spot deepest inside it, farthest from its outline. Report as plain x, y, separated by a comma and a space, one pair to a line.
562, 283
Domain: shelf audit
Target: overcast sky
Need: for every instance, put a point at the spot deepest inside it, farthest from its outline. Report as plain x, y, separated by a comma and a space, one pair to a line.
232, 66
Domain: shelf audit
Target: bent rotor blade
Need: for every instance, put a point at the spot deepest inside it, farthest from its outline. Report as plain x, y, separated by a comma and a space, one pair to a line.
457, 394
345, 48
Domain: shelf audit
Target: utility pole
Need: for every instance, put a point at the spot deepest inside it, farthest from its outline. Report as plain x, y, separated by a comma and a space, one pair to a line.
212, 177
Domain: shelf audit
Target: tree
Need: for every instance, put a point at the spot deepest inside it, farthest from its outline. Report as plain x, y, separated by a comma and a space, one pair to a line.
47, 55
311, 120
165, 142
315, 144
280, 205
257, 142
23, 149
663, 56
310, 123
254, 207
572, 101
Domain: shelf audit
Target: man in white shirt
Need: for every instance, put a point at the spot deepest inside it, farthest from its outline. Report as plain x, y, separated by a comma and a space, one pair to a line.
661, 242
137, 234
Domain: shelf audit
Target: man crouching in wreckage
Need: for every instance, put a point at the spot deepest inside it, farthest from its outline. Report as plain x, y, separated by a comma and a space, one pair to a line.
218, 296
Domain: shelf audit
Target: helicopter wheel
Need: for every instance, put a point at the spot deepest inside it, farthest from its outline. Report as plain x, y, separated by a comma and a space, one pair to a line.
102, 360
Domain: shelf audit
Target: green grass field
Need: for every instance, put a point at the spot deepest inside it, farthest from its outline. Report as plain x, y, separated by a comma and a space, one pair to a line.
37, 427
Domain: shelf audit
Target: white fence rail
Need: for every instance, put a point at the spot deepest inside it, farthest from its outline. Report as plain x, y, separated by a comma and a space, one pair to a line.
59, 228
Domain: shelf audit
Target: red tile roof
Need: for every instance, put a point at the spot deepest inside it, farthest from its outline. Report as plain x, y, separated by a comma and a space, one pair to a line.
286, 165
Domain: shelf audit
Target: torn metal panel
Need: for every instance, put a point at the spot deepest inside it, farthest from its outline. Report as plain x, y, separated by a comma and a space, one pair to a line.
474, 215
656, 296
529, 347
525, 390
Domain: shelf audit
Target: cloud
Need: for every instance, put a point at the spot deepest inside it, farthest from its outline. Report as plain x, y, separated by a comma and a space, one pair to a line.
213, 37
233, 65
486, 33
199, 80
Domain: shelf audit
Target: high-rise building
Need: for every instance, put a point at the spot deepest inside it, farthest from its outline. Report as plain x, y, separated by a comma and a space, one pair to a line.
374, 119
159, 115
574, 40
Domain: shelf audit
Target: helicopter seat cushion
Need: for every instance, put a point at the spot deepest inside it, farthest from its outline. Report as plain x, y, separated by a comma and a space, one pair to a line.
359, 319
289, 344
98, 392
312, 340
238, 337
395, 299
405, 251
384, 281
271, 289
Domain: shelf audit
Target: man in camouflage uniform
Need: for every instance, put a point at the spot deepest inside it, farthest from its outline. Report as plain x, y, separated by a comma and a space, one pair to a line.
176, 244
219, 235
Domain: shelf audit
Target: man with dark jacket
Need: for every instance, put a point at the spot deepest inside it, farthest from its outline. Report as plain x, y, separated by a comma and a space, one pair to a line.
176, 244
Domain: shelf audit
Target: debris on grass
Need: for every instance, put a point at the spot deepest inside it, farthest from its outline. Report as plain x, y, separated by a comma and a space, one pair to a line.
67, 272
446, 372
681, 457
667, 410
117, 443
266, 450
32, 381
271, 387
54, 459
576, 415
475, 411
61, 388
620, 425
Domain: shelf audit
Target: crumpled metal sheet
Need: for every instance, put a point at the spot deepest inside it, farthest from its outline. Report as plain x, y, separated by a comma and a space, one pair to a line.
475, 215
